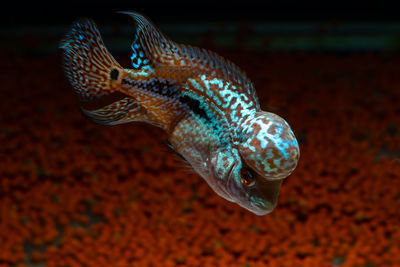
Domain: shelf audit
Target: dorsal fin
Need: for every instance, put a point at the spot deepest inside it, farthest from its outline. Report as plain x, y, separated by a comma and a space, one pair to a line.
152, 48
209, 60
150, 45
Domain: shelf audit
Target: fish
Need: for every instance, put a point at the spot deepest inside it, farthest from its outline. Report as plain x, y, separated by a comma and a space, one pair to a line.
205, 103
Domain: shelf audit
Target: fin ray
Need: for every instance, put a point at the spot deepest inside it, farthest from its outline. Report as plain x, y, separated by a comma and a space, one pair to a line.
150, 44
119, 112
87, 63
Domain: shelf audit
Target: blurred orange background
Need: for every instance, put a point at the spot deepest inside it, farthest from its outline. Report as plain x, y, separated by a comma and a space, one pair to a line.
73, 193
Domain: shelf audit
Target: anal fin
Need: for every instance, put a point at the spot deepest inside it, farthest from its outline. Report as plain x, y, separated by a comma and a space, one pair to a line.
121, 111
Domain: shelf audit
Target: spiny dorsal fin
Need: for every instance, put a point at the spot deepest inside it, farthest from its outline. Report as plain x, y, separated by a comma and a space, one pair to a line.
209, 60
150, 46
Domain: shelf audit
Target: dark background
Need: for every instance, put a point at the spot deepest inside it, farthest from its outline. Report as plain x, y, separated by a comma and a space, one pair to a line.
205, 11
354, 26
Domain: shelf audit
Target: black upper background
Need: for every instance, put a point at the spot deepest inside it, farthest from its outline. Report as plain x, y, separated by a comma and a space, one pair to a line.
198, 11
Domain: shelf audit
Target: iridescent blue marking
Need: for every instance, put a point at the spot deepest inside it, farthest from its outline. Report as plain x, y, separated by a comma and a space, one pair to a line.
137, 65
279, 143
216, 81
195, 84
147, 67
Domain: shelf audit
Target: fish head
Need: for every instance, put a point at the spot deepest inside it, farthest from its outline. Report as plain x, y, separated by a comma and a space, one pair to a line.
251, 172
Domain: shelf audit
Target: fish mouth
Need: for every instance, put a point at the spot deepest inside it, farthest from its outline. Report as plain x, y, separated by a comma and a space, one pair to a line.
267, 198
259, 206
262, 207
260, 200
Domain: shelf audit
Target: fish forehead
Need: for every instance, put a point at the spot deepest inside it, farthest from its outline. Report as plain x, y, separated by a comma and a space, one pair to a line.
272, 148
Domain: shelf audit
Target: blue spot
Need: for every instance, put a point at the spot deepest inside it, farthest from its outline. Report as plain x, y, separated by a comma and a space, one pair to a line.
138, 63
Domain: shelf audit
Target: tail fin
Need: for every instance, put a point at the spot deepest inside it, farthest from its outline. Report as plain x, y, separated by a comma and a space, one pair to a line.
89, 66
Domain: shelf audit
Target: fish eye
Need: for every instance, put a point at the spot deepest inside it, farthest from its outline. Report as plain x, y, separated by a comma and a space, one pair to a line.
246, 177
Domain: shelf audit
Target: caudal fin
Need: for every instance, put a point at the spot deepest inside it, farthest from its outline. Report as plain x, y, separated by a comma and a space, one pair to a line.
90, 68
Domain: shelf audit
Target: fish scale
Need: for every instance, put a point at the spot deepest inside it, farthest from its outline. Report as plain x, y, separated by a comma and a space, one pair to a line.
206, 104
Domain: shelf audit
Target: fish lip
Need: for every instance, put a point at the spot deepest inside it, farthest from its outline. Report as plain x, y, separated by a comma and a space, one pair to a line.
266, 208
261, 212
257, 209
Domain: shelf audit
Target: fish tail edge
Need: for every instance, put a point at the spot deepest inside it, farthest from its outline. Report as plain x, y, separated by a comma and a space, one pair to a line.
90, 68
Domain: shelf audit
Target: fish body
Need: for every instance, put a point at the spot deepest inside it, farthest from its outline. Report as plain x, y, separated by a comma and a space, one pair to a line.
205, 103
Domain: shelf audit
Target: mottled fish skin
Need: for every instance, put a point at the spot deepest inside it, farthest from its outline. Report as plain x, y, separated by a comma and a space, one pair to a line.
205, 103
